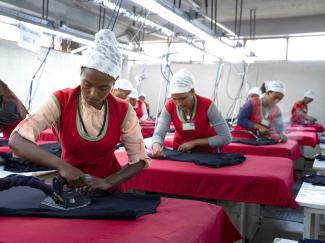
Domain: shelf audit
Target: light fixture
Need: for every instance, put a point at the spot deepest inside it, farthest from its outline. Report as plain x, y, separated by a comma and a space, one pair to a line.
215, 46
134, 17
10, 25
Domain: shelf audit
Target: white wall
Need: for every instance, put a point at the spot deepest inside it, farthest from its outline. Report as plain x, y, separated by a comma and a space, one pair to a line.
298, 77
18, 65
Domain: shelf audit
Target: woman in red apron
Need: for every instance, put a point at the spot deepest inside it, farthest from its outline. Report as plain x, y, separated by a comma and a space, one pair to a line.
299, 110
198, 124
261, 115
138, 106
122, 88
90, 121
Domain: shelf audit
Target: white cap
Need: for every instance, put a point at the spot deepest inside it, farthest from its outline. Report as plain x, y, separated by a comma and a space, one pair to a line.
142, 95
276, 86
134, 94
255, 90
309, 94
123, 84
181, 82
103, 55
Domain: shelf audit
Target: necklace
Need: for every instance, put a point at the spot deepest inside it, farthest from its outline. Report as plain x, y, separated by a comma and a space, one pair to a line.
187, 116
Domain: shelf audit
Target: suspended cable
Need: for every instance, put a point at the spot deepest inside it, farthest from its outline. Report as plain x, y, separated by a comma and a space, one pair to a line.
236, 10
215, 15
240, 18
100, 17
117, 14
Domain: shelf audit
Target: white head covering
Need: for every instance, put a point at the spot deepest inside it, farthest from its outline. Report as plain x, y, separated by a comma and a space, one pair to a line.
255, 90
276, 86
103, 55
134, 94
309, 94
181, 82
143, 95
123, 84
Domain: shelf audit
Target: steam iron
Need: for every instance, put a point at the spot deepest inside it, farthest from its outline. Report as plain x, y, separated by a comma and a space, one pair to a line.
65, 198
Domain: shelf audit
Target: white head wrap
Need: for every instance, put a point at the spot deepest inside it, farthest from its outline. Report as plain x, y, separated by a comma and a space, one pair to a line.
103, 55
255, 90
181, 82
276, 86
143, 95
123, 84
134, 94
309, 94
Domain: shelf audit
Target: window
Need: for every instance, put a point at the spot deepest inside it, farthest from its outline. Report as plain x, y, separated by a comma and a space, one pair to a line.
268, 49
306, 48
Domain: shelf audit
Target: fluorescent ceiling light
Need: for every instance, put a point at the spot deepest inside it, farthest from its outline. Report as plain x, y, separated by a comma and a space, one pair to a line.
134, 17
11, 32
216, 47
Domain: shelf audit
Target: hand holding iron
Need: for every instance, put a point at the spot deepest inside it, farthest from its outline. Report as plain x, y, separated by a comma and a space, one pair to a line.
99, 184
74, 176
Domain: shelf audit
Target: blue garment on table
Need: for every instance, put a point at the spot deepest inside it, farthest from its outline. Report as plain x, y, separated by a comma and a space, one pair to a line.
257, 142
320, 157
25, 202
311, 241
19, 165
205, 159
316, 180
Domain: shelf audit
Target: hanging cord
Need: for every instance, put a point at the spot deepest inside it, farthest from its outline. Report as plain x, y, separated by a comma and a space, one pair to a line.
250, 23
113, 14
117, 14
100, 18
238, 96
206, 6
31, 95
240, 18
236, 10
211, 15
217, 80
215, 15
254, 24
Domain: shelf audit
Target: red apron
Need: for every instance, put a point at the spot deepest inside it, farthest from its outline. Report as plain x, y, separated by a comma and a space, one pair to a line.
203, 129
256, 117
296, 118
92, 157
7, 129
138, 110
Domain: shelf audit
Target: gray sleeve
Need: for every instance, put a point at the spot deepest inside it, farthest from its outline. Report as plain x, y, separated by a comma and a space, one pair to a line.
219, 124
162, 127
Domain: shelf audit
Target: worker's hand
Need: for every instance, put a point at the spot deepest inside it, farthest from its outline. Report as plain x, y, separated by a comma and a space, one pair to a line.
186, 147
283, 138
157, 151
263, 130
99, 184
74, 176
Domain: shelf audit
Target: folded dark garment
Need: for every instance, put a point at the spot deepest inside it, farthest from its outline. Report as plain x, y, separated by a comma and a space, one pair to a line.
15, 180
311, 241
25, 201
257, 142
205, 159
316, 180
4, 142
320, 157
19, 165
